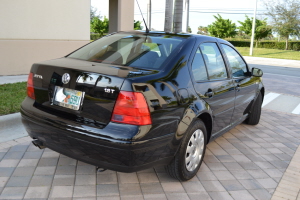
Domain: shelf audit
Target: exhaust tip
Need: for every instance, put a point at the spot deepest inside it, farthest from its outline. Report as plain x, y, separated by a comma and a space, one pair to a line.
38, 144
100, 169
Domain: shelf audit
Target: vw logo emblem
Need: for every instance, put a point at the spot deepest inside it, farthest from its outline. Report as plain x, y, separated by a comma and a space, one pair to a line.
66, 78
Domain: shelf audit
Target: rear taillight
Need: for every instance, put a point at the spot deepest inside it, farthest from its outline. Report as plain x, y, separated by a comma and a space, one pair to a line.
30, 89
131, 108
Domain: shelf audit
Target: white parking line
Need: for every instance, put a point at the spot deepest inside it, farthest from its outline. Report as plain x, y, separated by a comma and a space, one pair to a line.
270, 97
296, 110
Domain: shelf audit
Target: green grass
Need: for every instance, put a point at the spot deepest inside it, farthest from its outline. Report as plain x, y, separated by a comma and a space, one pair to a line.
270, 53
11, 97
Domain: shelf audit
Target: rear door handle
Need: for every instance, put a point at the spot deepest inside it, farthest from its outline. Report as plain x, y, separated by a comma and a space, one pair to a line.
237, 88
209, 94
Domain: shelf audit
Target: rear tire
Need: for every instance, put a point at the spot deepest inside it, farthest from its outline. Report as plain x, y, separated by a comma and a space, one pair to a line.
254, 116
189, 157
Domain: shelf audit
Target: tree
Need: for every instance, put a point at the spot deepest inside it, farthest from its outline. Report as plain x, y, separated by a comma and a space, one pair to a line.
262, 29
137, 25
189, 29
99, 26
177, 16
285, 17
222, 28
202, 30
93, 13
242, 35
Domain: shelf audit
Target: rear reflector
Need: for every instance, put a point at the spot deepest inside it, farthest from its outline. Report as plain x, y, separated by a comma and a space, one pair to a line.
30, 89
131, 108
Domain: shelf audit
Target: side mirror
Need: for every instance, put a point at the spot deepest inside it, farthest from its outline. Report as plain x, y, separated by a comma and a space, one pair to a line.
257, 72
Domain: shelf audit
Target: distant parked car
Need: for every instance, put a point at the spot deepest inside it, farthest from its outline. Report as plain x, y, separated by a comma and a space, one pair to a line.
135, 100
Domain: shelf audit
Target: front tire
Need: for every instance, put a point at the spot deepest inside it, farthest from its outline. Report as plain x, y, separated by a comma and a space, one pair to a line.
189, 157
254, 116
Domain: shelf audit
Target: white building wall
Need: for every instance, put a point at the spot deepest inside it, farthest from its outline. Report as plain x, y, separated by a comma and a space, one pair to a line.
36, 30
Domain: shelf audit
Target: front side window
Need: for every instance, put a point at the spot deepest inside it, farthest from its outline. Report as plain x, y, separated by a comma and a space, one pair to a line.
237, 64
134, 50
214, 61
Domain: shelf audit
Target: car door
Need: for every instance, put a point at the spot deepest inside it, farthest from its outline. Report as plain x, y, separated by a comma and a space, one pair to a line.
213, 84
245, 84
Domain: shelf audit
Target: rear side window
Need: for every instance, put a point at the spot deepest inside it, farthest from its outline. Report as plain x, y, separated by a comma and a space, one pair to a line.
142, 51
214, 61
237, 64
198, 67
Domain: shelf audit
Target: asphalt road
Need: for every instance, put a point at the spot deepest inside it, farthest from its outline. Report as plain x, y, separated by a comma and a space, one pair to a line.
275, 70
283, 80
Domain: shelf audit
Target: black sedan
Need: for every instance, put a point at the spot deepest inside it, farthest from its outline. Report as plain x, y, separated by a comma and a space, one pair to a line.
134, 100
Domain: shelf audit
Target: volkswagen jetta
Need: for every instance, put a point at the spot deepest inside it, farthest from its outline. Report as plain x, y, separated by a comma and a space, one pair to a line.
134, 100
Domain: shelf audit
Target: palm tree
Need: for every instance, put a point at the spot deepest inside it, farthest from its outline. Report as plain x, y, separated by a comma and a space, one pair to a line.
178, 11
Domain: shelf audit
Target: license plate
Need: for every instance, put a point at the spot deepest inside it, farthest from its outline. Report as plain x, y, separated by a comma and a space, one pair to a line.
68, 98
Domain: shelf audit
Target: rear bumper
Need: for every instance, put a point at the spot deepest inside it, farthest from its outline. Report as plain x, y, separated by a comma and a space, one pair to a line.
105, 147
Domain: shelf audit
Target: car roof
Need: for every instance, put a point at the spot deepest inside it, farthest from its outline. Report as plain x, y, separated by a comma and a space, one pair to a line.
141, 32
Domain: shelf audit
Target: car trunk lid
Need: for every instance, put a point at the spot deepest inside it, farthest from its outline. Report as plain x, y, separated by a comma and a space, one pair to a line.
99, 83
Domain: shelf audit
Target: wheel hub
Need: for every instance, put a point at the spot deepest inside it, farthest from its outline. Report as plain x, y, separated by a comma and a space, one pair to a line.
194, 150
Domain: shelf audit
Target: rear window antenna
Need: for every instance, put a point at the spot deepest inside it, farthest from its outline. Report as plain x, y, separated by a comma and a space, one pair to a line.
147, 30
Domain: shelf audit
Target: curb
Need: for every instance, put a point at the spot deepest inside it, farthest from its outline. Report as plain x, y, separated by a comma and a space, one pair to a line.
11, 127
13, 79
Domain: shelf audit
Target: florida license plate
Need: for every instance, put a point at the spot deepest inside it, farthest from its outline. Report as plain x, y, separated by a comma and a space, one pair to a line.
68, 98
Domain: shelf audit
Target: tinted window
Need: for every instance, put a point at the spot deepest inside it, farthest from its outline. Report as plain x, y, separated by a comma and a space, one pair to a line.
198, 67
237, 64
214, 62
130, 50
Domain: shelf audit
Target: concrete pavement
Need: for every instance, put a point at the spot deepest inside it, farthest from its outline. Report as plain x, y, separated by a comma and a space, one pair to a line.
11, 127
13, 79
278, 102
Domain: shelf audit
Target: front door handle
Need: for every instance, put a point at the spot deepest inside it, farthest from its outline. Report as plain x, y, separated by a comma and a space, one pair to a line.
209, 94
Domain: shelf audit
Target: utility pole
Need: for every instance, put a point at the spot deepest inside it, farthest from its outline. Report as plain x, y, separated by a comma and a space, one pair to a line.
253, 29
178, 10
149, 14
169, 16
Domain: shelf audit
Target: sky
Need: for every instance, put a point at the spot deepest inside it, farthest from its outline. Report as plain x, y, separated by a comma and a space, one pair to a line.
201, 11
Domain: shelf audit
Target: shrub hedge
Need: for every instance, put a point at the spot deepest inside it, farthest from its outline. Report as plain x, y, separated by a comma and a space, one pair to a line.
269, 45
240, 43
94, 36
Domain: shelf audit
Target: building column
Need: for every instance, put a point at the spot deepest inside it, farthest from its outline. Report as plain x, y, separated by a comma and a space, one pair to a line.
121, 15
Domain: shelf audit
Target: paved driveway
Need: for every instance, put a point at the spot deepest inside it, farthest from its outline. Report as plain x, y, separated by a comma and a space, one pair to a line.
247, 162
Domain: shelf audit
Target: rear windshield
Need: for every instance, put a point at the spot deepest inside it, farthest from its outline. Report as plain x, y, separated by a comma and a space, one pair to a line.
130, 50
